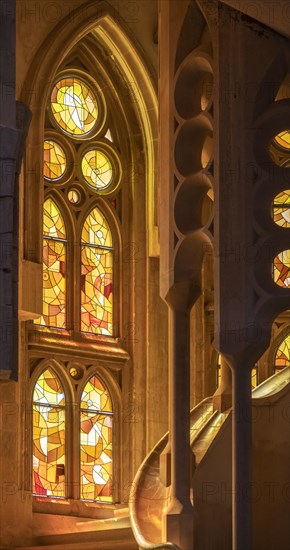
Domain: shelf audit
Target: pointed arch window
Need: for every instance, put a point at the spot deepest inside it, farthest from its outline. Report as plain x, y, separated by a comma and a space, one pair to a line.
81, 163
96, 442
97, 275
48, 436
282, 357
54, 267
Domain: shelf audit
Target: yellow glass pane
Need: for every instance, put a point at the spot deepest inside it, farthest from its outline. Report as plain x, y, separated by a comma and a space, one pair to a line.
73, 196
53, 224
283, 139
95, 396
48, 389
281, 209
282, 358
254, 377
281, 269
96, 230
54, 160
74, 106
97, 169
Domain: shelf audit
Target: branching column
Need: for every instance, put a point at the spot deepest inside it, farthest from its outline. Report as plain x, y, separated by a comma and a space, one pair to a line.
246, 241
186, 138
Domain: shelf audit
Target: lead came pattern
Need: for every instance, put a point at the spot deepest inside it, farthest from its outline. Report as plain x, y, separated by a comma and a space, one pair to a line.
74, 106
48, 436
97, 169
96, 445
281, 269
281, 209
96, 276
54, 268
54, 160
282, 358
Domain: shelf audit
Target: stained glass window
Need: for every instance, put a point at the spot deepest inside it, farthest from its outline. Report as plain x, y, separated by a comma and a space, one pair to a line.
54, 267
281, 269
74, 196
97, 169
54, 160
74, 106
48, 436
282, 358
281, 209
96, 444
96, 275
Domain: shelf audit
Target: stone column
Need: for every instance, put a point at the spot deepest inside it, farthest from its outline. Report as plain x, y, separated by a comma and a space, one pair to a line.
178, 521
246, 237
242, 456
186, 135
222, 399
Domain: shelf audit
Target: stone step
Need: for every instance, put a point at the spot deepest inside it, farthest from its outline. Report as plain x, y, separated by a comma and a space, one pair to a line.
53, 532
116, 539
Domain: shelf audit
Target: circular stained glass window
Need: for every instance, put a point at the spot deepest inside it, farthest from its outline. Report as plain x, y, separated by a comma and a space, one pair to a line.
281, 269
74, 196
97, 169
74, 106
54, 160
281, 209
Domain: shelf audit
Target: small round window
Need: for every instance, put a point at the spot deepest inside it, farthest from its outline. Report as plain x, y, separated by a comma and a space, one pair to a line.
97, 169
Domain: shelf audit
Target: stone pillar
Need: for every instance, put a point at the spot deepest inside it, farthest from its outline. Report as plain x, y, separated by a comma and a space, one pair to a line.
222, 399
246, 237
242, 456
178, 521
185, 94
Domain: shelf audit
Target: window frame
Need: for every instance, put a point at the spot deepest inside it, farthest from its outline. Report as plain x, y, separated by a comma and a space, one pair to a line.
73, 392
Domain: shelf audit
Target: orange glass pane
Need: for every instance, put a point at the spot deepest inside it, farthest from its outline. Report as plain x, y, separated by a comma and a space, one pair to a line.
281, 269
54, 160
281, 209
97, 291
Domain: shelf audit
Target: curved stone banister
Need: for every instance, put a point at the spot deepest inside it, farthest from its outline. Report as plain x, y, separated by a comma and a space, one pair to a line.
149, 497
